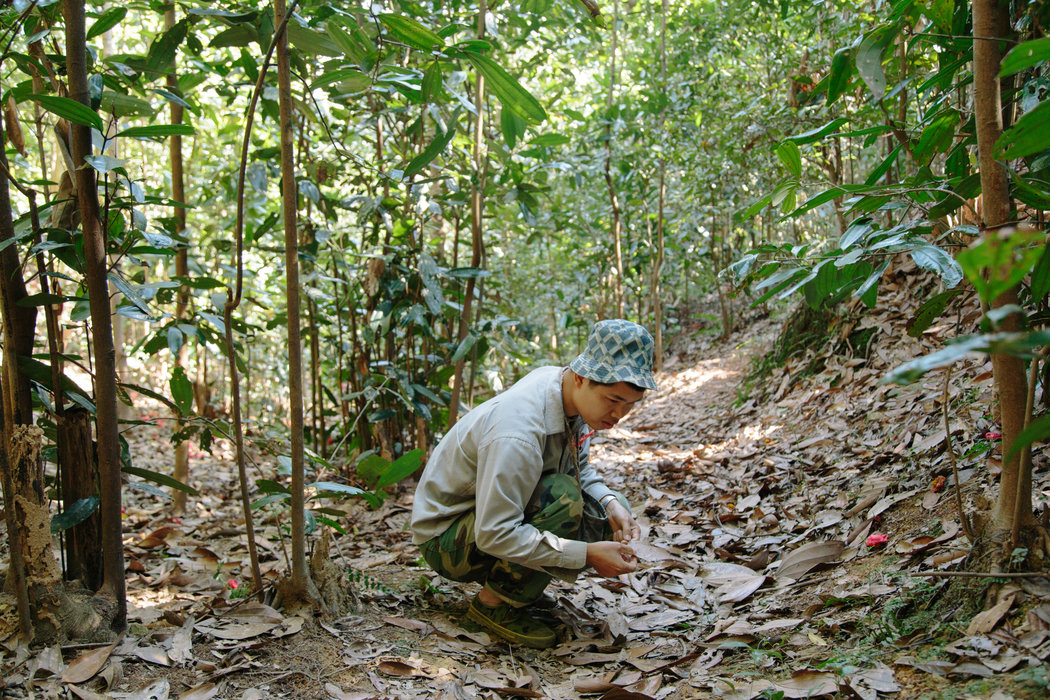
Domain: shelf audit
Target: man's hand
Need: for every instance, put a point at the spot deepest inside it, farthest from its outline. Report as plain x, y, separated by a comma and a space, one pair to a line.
610, 559
624, 527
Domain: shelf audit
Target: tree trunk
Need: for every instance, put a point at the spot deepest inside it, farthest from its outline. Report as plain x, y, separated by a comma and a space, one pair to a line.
18, 334
1013, 508
76, 454
113, 584
477, 193
658, 265
614, 201
182, 298
289, 196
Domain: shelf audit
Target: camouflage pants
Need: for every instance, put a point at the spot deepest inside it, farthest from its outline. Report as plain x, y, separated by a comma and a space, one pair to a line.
559, 508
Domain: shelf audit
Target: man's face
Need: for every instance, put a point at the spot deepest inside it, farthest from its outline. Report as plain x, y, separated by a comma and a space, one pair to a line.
603, 406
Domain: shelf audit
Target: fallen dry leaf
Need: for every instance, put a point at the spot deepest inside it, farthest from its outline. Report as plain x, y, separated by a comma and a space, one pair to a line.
986, 621
801, 561
88, 664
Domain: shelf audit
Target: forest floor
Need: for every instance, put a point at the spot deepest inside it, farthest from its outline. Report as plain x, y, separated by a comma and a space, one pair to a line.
758, 484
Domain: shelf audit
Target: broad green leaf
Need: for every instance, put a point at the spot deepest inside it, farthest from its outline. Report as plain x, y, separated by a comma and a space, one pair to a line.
161, 54
432, 83
411, 32
937, 137
129, 292
371, 468
75, 514
69, 109
162, 479
1026, 55
791, 157
158, 131
467, 273
882, 168
271, 486
175, 339
550, 140
432, 151
1030, 135
507, 89
841, 70
106, 21
855, 231
939, 12
869, 60
1041, 276
930, 311
511, 126
1037, 197
935, 258
818, 133
43, 299
335, 487
403, 466
995, 264
1037, 430
312, 42
432, 295
465, 345
868, 291
755, 208
181, 389
1018, 344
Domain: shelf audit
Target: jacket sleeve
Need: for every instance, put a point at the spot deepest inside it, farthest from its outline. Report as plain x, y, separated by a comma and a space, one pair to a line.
509, 468
590, 482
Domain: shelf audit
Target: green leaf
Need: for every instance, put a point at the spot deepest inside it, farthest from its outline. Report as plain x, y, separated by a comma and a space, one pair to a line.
161, 56
1038, 430
1041, 276
1017, 344
465, 345
411, 32
511, 126
403, 466
818, 133
75, 514
507, 89
790, 155
935, 258
880, 171
869, 59
937, 137
841, 71
432, 84
754, 208
130, 293
432, 151
162, 479
181, 389
157, 131
1028, 136
334, 487
103, 163
996, 264
371, 468
467, 273
106, 21
1033, 196
69, 109
1026, 55
929, 312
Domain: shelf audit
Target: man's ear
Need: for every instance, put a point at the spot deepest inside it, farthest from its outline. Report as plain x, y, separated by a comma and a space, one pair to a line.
577, 379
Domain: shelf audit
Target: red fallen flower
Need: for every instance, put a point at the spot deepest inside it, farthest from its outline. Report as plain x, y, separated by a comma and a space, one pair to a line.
232, 583
876, 540
938, 484
993, 436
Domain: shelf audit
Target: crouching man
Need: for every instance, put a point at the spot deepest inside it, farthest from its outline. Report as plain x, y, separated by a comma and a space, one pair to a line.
508, 498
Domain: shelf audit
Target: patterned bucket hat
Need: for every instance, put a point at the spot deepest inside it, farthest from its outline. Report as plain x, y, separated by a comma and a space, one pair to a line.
617, 351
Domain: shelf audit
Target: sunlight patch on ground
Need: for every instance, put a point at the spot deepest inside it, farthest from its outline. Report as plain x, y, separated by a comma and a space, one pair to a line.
695, 378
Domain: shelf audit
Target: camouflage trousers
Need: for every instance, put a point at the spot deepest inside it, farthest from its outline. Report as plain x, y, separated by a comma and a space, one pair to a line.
560, 508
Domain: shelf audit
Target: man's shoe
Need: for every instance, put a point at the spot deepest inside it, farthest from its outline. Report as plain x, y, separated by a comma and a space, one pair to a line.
512, 624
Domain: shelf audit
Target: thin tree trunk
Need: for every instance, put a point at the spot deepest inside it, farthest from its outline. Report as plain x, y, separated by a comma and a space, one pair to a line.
476, 211
289, 198
1013, 508
182, 298
614, 201
658, 308
106, 429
